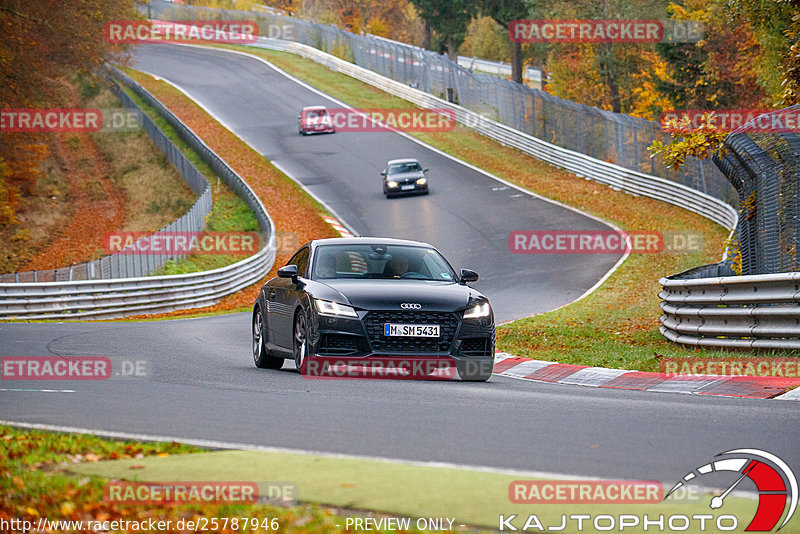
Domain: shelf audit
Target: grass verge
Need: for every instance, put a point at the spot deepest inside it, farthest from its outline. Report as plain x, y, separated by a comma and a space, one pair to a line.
42, 476
616, 326
468, 497
63, 477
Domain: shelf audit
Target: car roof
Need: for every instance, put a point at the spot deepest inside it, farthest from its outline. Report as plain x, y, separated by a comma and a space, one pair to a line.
368, 241
312, 108
406, 160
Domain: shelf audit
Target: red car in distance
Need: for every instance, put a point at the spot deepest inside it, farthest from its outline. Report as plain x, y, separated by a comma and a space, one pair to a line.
315, 119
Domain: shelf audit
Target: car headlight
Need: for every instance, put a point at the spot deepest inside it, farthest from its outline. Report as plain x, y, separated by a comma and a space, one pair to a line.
422, 181
478, 311
334, 309
391, 183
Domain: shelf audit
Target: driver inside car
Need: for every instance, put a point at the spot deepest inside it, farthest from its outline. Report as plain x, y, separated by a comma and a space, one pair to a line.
399, 265
327, 266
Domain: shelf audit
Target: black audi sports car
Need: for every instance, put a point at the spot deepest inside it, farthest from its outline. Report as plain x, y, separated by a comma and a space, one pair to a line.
366, 299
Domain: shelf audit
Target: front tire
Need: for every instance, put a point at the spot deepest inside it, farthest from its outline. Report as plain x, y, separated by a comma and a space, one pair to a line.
300, 342
261, 356
475, 370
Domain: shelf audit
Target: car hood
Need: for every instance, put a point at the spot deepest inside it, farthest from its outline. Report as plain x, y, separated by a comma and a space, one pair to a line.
399, 177
389, 294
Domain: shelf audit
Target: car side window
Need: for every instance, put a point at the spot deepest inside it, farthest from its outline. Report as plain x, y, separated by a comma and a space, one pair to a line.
301, 260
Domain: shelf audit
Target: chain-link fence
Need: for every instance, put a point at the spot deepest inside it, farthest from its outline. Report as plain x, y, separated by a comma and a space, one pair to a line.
123, 264
764, 167
603, 135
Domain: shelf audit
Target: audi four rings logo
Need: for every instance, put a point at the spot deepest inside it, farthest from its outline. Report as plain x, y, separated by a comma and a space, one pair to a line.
410, 306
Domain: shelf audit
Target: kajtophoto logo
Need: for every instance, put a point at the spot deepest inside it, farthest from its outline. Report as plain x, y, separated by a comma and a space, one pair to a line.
770, 479
775, 481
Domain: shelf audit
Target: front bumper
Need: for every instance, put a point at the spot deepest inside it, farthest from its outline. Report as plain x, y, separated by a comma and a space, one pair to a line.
334, 337
317, 129
411, 187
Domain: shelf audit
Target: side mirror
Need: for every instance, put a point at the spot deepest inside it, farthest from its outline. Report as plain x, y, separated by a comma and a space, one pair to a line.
425, 170
466, 276
289, 271
383, 173
298, 117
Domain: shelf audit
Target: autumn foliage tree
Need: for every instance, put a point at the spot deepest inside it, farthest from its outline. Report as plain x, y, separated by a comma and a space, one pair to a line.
42, 41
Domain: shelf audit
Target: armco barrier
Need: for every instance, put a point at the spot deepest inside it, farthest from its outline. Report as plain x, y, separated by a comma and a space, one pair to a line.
718, 310
709, 306
105, 299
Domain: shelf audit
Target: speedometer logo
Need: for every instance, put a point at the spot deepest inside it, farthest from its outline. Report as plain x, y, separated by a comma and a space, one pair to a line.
776, 483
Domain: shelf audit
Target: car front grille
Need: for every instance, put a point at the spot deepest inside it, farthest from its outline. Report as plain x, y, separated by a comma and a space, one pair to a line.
338, 344
476, 346
448, 324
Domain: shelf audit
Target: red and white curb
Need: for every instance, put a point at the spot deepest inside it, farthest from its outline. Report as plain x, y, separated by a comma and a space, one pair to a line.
754, 387
338, 227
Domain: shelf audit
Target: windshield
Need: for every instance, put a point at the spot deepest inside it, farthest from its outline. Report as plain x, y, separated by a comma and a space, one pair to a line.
316, 114
390, 262
398, 168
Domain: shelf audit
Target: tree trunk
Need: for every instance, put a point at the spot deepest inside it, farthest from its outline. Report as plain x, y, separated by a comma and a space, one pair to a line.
610, 76
516, 62
426, 37
452, 49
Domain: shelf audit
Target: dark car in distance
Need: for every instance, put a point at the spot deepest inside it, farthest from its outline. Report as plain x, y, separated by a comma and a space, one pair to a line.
364, 298
404, 176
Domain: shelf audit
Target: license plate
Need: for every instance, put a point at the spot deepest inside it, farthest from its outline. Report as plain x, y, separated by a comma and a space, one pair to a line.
411, 330
406, 187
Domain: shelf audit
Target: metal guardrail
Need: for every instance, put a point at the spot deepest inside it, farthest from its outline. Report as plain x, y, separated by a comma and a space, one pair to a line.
758, 311
709, 306
106, 299
585, 166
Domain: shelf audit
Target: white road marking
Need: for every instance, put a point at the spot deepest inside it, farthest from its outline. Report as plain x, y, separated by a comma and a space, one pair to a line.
39, 390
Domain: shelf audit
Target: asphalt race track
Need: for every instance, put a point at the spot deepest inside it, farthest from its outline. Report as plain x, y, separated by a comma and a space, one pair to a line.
467, 215
203, 383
